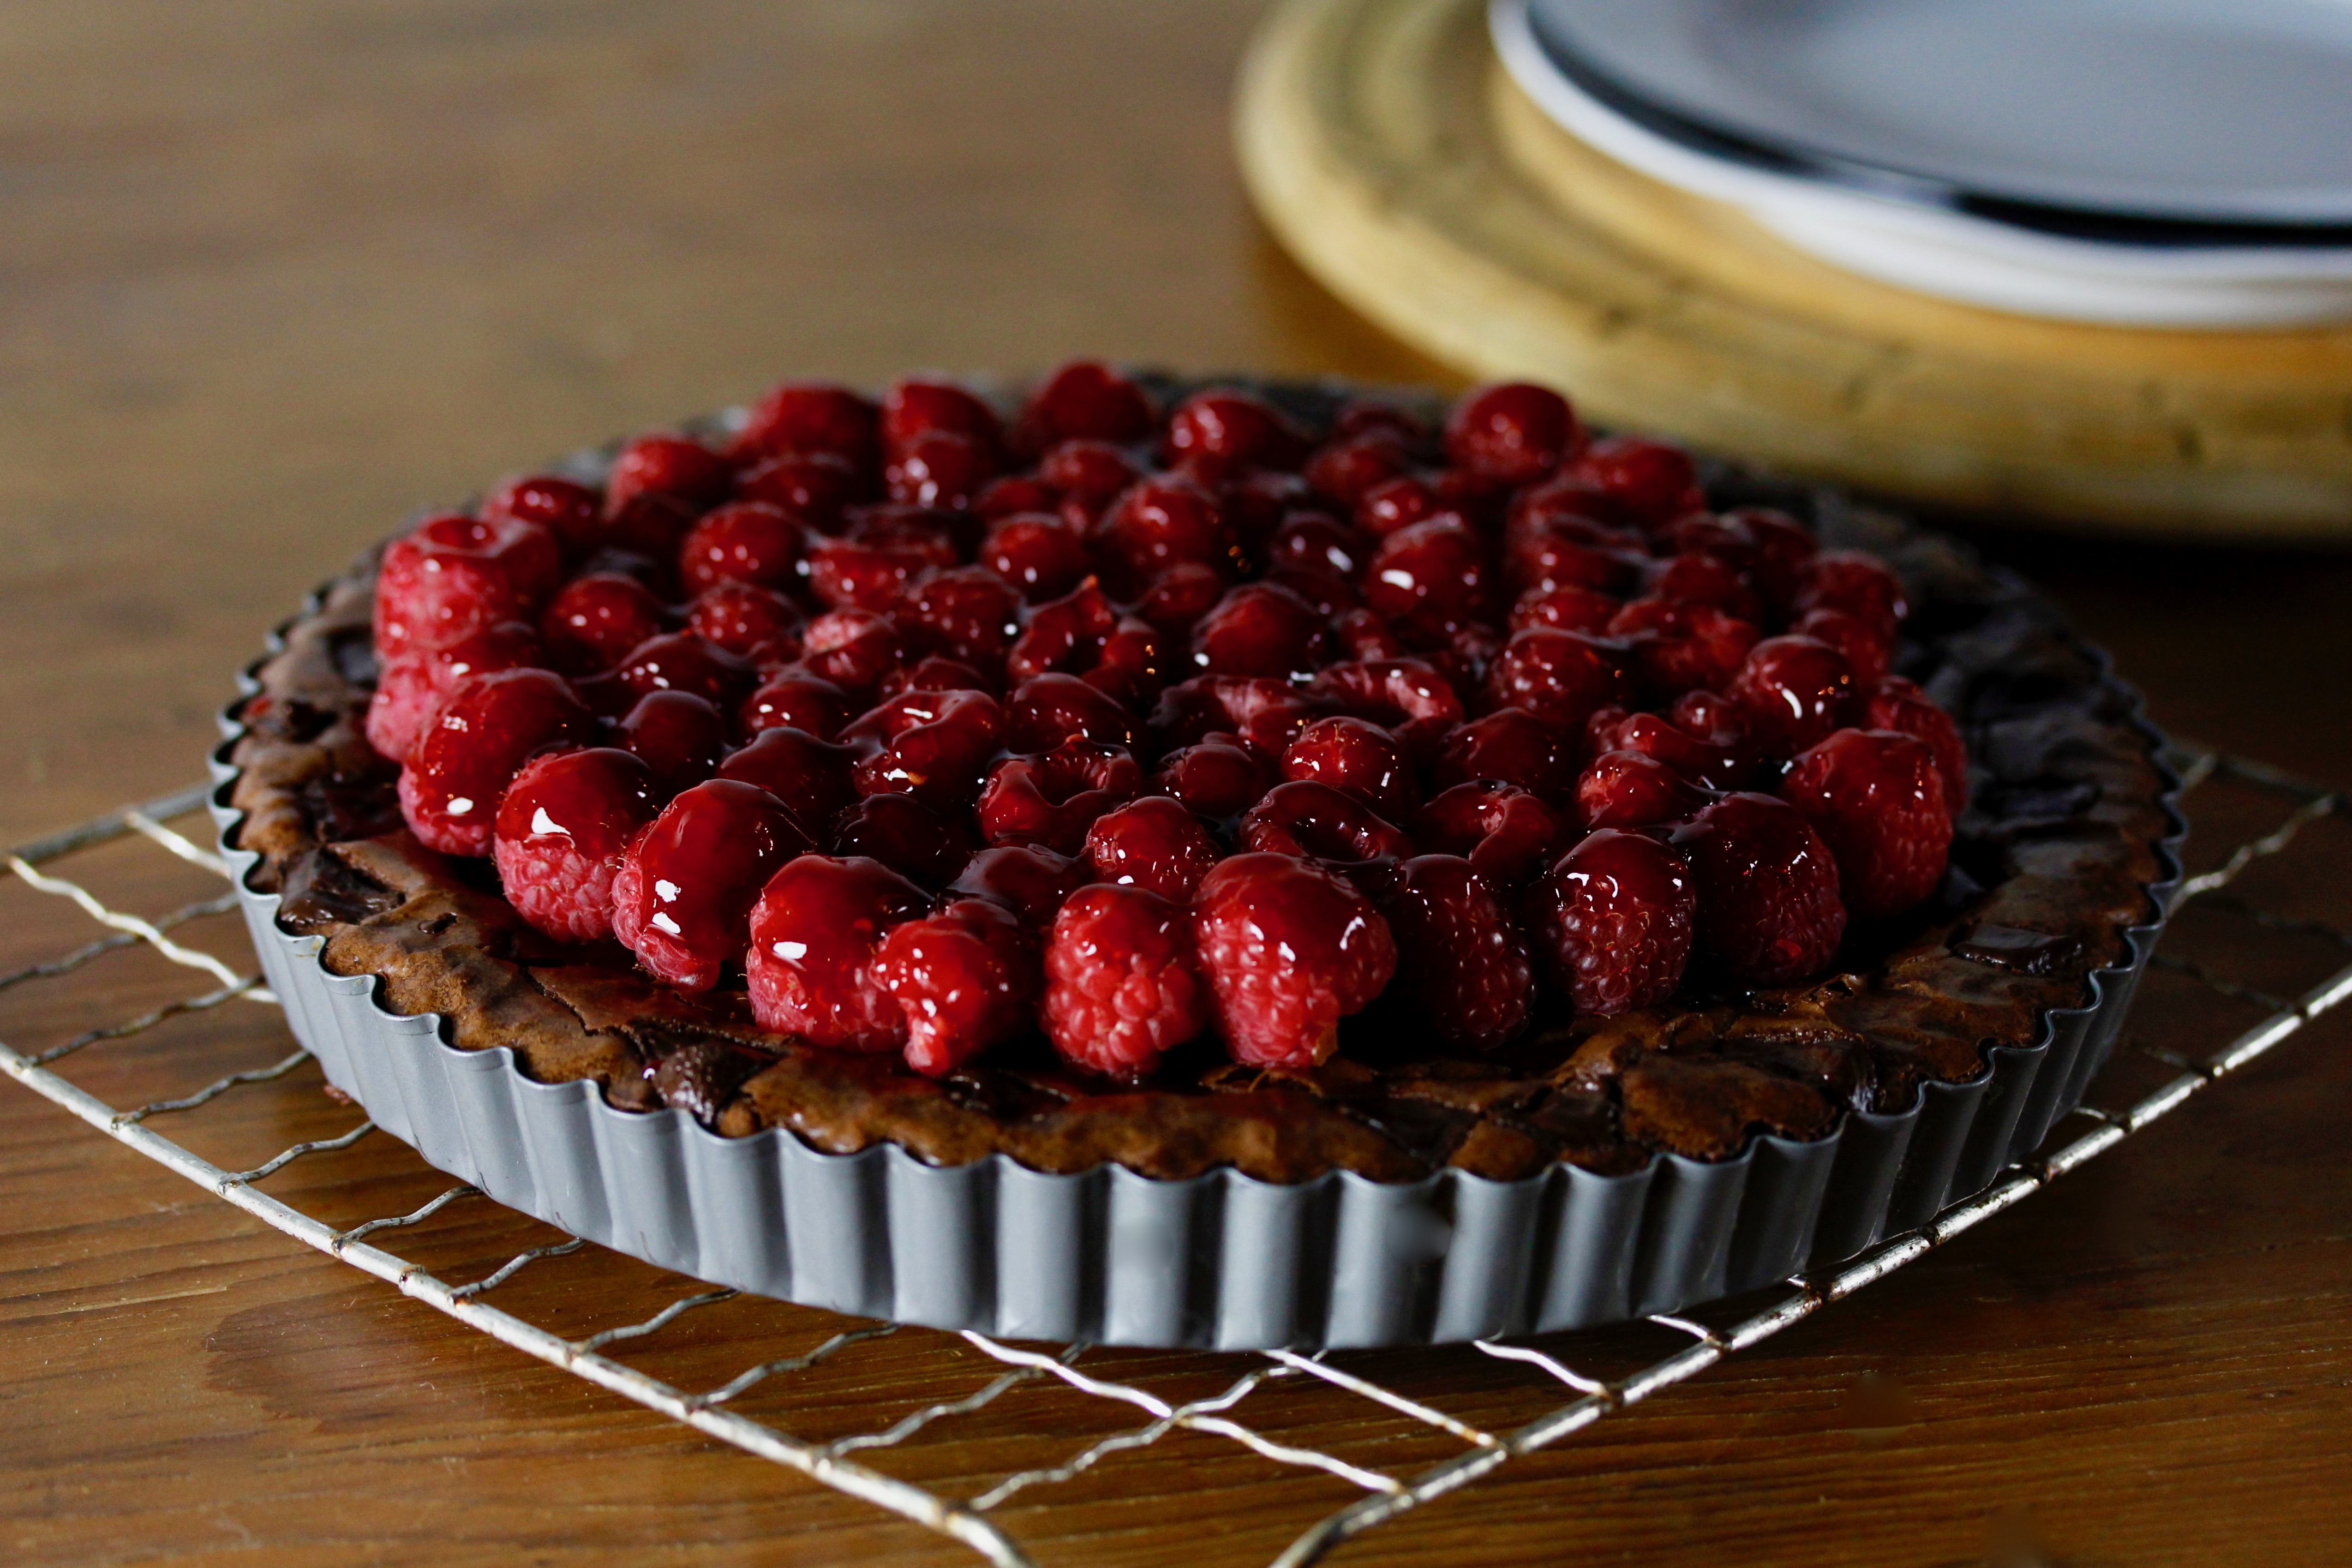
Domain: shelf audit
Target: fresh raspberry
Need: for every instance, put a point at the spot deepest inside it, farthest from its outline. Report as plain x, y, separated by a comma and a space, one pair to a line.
1701, 762
1711, 717
810, 775
815, 934
1793, 692
1462, 967
669, 465
1175, 599
1431, 574
681, 661
1896, 704
491, 724
813, 416
846, 574
572, 511
1394, 505
795, 698
815, 486
748, 542
1314, 821
1054, 797
594, 621
1001, 499
1568, 608
916, 407
1876, 799
1040, 555
1411, 697
1769, 911
966, 613
1706, 580
1866, 653
1344, 468
1213, 432
409, 691
1576, 503
1510, 745
1046, 709
1260, 628
1030, 880
1720, 539
1123, 981
1152, 843
751, 622
1647, 482
945, 538
1778, 548
940, 467
1314, 542
1505, 833
1085, 400
1356, 757
935, 744
562, 828
1613, 922
1064, 635
1163, 521
1561, 678
1858, 584
1090, 474
1542, 552
1289, 949
852, 649
1268, 714
683, 898
1513, 432
453, 576
1219, 776
649, 523
964, 979
1681, 644
1628, 789
1365, 637
937, 672
678, 735
907, 836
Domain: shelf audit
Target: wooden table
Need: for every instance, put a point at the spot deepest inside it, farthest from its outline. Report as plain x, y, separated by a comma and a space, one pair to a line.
276, 275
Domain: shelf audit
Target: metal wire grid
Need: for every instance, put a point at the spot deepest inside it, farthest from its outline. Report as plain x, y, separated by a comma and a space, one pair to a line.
969, 1519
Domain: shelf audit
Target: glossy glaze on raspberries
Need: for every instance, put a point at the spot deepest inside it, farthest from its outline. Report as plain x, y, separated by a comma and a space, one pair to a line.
1199, 739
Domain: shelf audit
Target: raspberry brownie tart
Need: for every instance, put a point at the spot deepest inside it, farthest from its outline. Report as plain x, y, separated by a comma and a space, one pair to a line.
1239, 863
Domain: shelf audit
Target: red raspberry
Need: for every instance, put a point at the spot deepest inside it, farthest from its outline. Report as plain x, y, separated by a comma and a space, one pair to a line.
1042, 556
410, 691
1706, 580
1356, 757
1085, 400
1627, 789
572, 511
1154, 843
1396, 504
1218, 776
1896, 704
1779, 546
680, 736
1857, 583
935, 744
1700, 761
1877, 800
749, 542
815, 932
1260, 628
1647, 482
1561, 678
795, 698
1769, 911
453, 576
1360, 415
1710, 717
1502, 830
1577, 503
1346, 467
1793, 692
1176, 599
1123, 981
1613, 922
683, 898
1030, 880
1314, 821
1046, 709
1257, 499
1367, 637
562, 828
852, 649
1163, 521
1001, 499
1267, 714
907, 836
1088, 474
964, 979
681, 661
940, 467
810, 775
1411, 697
593, 622
1866, 653
914, 408
1462, 967
1431, 574
945, 538
1513, 432
1065, 636
1568, 608
812, 416
1313, 542
1289, 949
748, 621
1721, 539
1681, 645
1219, 430
1511, 745
1054, 798
1542, 552
670, 465
449, 790
650, 524
967, 613
815, 486
847, 574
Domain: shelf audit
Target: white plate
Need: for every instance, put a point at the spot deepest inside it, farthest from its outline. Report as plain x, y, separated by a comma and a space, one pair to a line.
1905, 231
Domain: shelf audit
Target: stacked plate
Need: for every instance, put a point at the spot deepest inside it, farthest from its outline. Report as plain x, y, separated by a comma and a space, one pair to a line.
2169, 162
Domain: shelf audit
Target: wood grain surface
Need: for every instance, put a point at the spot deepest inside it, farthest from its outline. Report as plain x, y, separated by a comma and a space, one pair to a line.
276, 273
1387, 146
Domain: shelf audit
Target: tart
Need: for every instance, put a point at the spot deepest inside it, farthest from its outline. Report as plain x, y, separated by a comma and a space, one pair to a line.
1267, 777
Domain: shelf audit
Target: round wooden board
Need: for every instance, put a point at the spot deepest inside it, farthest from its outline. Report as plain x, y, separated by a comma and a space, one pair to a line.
1388, 151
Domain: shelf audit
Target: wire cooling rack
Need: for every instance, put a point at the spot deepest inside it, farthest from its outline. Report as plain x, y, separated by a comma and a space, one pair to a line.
1370, 1424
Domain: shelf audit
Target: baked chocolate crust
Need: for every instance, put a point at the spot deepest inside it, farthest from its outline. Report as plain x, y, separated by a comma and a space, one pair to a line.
2053, 863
